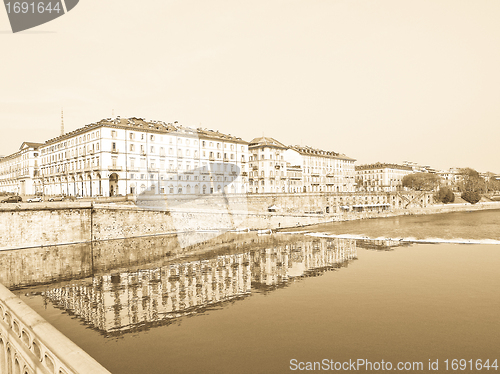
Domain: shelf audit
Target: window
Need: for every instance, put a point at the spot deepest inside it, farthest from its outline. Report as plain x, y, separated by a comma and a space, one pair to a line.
113, 134
113, 147
152, 137
131, 147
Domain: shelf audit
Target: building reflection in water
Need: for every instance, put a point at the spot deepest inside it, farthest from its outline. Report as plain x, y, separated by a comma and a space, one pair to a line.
132, 300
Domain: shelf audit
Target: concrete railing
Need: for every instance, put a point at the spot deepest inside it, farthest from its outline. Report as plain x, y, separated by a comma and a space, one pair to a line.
29, 344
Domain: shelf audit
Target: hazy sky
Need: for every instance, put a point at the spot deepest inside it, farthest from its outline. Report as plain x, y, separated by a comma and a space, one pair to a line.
377, 80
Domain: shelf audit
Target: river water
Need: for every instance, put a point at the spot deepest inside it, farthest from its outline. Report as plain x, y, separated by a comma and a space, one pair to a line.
275, 303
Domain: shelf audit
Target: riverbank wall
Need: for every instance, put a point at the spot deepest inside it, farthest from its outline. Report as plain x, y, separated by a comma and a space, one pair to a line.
72, 223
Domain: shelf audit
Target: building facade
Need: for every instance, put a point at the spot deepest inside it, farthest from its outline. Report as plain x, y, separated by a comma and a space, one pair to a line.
129, 156
19, 170
381, 177
323, 171
278, 168
267, 167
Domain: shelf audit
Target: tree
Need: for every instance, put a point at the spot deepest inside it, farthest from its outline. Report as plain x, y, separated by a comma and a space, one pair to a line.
472, 186
471, 181
421, 181
471, 196
445, 195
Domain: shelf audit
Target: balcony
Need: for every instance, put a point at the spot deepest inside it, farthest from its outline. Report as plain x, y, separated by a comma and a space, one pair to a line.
115, 168
115, 151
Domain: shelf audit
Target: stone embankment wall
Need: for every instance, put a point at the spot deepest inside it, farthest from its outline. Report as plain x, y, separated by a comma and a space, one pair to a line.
71, 223
40, 224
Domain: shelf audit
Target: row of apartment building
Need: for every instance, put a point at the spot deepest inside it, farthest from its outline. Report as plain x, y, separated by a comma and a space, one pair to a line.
131, 155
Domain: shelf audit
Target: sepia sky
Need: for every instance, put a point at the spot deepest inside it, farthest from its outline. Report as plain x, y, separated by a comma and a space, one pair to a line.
378, 80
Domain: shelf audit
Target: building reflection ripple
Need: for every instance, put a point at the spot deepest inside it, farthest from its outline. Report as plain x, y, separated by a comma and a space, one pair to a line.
125, 301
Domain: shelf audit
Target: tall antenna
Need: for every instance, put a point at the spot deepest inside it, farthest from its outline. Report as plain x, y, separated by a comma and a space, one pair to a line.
62, 122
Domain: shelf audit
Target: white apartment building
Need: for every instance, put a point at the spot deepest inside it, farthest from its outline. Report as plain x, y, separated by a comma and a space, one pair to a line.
323, 171
381, 177
131, 155
268, 172
19, 170
275, 167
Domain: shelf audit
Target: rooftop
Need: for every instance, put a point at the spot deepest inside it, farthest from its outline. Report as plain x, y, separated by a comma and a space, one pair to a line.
265, 141
141, 124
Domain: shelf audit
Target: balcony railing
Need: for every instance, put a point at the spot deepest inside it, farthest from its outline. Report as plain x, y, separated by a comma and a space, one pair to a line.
115, 168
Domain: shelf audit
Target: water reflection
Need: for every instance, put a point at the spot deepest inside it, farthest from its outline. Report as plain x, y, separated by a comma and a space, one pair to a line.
131, 300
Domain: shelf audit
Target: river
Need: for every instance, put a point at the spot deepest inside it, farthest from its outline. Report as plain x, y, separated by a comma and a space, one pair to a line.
288, 301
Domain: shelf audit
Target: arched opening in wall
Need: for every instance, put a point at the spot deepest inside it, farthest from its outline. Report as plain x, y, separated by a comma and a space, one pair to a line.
233, 189
305, 189
170, 189
113, 184
179, 190
143, 188
188, 189
132, 189
327, 209
99, 184
91, 191
204, 189
219, 188
73, 182
197, 189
